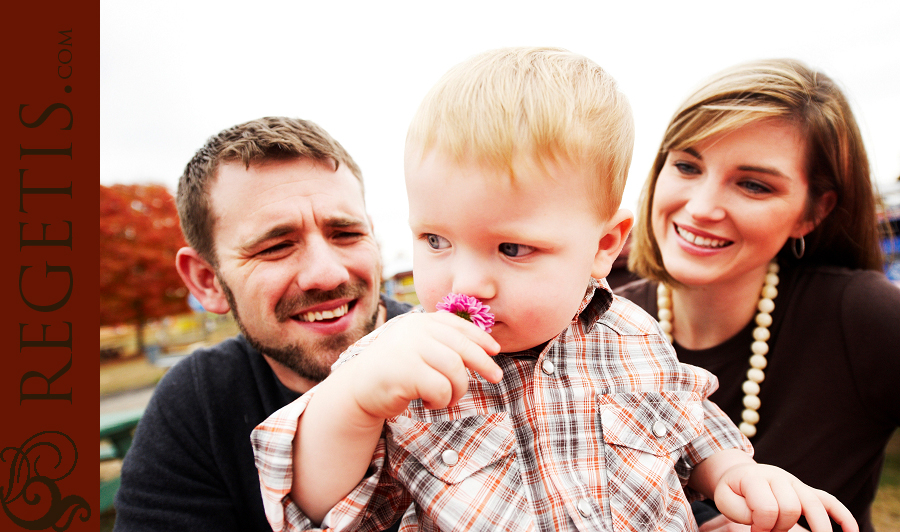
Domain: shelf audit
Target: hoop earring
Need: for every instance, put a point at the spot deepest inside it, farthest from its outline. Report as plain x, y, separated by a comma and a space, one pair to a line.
798, 247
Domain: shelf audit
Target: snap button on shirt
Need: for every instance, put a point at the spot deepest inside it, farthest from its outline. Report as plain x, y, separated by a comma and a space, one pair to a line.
548, 367
450, 457
659, 429
584, 508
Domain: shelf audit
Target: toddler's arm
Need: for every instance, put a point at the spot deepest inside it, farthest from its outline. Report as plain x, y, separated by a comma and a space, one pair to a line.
419, 356
765, 497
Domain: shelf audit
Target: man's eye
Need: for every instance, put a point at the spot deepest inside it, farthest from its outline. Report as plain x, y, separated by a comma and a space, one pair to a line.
515, 250
347, 235
274, 249
437, 242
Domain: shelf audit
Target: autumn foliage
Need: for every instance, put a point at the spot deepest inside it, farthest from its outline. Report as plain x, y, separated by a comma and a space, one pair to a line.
139, 236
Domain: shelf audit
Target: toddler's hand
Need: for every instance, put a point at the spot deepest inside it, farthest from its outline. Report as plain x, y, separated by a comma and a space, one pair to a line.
721, 523
769, 498
421, 356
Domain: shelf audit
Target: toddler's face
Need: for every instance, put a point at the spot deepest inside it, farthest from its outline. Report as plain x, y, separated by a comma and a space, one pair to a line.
526, 249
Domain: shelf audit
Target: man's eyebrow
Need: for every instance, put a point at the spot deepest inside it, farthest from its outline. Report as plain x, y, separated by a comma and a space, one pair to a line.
274, 232
343, 221
286, 229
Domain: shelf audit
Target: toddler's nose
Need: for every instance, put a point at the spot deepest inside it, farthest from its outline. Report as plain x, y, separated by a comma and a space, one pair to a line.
475, 281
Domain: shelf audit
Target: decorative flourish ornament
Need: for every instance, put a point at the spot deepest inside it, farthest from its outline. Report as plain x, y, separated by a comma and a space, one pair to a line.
759, 348
468, 308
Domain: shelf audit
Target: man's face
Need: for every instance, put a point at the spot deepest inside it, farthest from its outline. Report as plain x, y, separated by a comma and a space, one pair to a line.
297, 259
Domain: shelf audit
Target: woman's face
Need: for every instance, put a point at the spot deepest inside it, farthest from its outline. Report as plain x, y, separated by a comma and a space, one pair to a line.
724, 208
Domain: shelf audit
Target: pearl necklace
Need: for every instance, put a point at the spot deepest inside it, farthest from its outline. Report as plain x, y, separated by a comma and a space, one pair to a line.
759, 347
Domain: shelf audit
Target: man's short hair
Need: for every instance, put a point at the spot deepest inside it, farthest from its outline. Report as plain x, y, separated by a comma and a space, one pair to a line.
543, 103
257, 141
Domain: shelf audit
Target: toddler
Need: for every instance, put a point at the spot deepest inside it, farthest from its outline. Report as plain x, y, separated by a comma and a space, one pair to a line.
573, 413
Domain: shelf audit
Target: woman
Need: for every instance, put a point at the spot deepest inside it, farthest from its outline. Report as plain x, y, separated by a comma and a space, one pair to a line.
757, 239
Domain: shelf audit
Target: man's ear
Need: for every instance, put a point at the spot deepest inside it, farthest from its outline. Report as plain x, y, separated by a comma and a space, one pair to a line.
200, 278
611, 242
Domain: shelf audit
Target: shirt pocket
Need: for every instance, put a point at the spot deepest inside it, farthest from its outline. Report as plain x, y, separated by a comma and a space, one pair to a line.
652, 422
454, 450
644, 434
461, 471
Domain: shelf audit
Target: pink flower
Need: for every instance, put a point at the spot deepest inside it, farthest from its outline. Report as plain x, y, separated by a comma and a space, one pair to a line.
468, 308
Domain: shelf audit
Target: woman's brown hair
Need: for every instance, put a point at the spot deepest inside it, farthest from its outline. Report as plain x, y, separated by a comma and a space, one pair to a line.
836, 158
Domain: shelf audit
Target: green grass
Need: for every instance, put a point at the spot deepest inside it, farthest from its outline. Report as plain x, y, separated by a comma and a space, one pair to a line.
890, 475
886, 508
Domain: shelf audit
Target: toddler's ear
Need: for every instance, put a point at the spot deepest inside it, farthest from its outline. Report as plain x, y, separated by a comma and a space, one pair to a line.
611, 242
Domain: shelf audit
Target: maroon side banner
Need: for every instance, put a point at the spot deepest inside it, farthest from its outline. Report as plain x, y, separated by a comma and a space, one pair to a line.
49, 385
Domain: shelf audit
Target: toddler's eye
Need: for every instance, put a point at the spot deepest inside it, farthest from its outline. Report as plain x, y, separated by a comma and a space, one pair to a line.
515, 250
437, 242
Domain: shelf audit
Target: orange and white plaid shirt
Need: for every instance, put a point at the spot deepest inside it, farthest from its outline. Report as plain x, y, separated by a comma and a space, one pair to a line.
597, 430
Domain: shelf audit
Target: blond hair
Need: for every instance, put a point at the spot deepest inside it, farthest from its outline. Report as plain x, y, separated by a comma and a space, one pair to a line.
538, 103
836, 159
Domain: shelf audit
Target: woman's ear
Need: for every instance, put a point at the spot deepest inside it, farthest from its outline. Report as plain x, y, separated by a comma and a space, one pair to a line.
822, 209
611, 242
200, 278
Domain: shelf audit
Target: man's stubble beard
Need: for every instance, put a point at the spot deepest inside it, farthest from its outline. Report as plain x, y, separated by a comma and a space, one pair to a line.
314, 366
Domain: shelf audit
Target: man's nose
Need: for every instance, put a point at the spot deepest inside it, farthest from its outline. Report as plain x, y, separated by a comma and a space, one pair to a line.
706, 201
322, 266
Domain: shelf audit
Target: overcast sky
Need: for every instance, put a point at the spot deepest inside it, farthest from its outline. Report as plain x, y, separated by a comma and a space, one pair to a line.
173, 73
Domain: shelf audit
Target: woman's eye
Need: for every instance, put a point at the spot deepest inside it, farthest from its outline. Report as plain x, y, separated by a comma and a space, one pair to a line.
686, 168
755, 187
437, 242
515, 250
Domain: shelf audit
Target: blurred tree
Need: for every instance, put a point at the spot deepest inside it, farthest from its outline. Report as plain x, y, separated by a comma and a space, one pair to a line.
139, 236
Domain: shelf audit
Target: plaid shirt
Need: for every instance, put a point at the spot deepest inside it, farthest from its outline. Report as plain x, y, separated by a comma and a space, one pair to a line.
598, 430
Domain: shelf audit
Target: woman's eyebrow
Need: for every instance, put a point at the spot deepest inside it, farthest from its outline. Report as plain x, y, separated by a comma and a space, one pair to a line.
744, 167
762, 170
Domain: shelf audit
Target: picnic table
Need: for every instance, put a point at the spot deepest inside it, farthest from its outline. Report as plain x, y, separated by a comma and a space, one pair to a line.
117, 428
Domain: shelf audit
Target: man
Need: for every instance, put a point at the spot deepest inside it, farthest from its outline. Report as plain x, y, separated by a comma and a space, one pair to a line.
274, 214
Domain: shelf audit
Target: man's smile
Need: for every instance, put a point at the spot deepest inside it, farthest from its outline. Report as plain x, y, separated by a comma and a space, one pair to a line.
322, 315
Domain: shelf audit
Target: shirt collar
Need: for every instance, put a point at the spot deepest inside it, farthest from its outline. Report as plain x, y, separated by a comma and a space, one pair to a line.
597, 300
